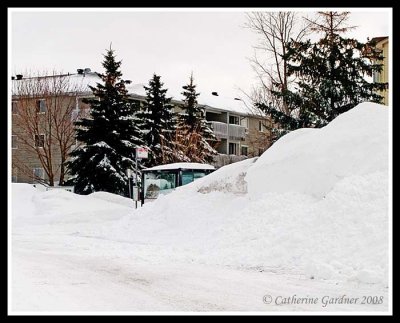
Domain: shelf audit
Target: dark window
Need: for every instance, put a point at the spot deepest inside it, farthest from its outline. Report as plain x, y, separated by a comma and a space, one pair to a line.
14, 107
14, 140
244, 150
233, 120
14, 176
233, 148
39, 141
38, 173
41, 106
260, 126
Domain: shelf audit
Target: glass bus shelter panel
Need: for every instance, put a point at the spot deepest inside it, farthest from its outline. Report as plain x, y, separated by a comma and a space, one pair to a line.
190, 176
158, 183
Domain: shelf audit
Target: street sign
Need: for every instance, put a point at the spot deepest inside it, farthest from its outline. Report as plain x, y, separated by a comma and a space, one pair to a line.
129, 172
135, 193
142, 153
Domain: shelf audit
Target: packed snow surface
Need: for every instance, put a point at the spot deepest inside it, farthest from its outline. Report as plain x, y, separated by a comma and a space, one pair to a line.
308, 217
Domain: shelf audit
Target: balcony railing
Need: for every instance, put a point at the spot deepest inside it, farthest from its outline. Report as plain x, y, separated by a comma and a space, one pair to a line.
223, 130
237, 132
220, 129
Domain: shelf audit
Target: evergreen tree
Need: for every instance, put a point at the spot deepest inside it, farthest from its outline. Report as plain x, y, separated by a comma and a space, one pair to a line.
194, 135
331, 75
157, 123
109, 136
192, 113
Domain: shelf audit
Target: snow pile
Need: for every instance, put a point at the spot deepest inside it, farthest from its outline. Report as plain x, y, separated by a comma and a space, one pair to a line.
109, 197
229, 178
34, 206
311, 161
314, 204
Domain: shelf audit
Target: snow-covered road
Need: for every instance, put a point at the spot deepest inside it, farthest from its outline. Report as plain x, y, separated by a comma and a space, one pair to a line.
52, 276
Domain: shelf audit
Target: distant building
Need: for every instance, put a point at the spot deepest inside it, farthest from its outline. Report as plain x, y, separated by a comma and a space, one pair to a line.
382, 43
240, 132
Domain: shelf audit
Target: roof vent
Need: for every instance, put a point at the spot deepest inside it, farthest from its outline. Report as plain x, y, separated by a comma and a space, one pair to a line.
80, 71
87, 70
214, 93
19, 76
238, 99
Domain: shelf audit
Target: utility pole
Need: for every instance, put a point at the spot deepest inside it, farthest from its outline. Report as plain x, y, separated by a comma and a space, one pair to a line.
136, 181
141, 153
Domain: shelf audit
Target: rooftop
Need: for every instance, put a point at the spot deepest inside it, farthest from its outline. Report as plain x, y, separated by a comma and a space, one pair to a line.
379, 39
181, 166
218, 102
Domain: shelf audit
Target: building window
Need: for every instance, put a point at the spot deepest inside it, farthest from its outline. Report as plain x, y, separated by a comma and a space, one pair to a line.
233, 120
244, 151
260, 126
74, 114
244, 122
39, 141
41, 106
14, 107
38, 173
14, 175
233, 148
14, 142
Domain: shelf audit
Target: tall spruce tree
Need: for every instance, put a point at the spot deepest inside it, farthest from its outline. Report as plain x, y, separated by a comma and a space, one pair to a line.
109, 135
193, 128
157, 123
331, 75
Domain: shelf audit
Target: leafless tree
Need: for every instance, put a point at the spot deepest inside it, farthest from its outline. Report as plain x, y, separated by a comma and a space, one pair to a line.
189, 145
46, 109
276, 29
331, 23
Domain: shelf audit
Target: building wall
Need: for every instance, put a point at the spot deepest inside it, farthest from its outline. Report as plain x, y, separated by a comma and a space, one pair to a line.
383, 76
257, 141
25, 157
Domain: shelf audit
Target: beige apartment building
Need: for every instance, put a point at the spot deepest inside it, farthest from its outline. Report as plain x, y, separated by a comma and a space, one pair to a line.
382, 43
240, 132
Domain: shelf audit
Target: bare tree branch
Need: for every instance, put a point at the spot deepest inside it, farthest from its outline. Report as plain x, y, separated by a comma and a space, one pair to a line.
44, 122
276, 30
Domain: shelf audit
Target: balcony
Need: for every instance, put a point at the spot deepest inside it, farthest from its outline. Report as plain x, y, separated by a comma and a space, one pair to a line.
223, 130
237, 132
220, 129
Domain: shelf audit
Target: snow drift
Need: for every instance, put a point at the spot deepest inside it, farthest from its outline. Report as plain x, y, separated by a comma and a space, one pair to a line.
312, 161
315, 204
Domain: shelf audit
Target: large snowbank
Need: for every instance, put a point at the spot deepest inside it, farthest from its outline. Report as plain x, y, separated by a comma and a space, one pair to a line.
36, 206
314, 205
311, 161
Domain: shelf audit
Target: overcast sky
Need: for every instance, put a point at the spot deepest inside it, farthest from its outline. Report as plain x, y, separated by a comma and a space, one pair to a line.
215, 46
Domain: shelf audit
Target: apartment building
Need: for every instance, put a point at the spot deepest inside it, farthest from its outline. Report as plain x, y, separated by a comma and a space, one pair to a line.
382, 43
240, 132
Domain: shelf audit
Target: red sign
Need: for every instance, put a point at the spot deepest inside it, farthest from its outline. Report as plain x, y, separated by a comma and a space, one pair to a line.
142, 153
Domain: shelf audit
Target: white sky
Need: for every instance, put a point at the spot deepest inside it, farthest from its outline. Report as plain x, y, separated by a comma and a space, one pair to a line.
214, 44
